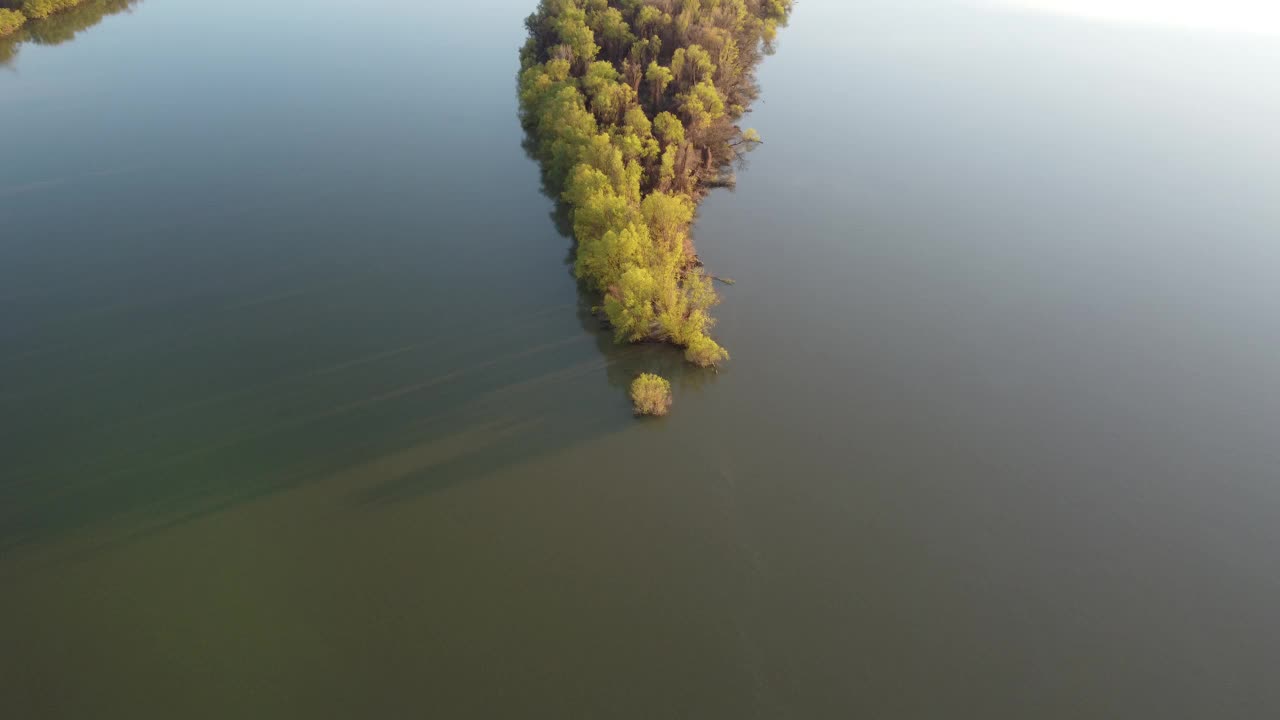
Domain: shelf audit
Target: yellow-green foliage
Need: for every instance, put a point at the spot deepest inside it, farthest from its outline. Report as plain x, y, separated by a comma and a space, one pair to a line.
45, 8
10, 21
62, 26
705, 352
651, 395
627, 114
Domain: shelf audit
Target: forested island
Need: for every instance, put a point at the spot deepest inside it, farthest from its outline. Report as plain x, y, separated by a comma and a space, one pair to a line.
633, 109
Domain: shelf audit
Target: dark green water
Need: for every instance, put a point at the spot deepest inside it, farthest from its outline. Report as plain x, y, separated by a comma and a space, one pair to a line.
303, 415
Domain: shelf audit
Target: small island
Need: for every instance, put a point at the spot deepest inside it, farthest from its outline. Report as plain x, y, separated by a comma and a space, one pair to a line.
651, 395
632, 108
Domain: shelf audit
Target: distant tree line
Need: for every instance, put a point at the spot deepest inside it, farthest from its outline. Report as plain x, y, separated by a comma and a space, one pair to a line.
35, 9
633, 106
10, 21
15, 13
60, 23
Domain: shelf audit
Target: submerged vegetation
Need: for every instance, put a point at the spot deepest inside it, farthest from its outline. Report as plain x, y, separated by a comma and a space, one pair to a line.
632, 107
651, 395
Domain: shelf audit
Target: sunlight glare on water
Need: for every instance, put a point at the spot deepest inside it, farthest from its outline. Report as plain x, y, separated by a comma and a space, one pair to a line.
1248, 16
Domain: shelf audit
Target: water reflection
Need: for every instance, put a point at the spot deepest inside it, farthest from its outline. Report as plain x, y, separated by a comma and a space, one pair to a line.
62, 27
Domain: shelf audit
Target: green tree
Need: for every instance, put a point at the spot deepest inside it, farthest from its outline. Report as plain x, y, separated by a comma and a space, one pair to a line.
571, 26
10, 21
611, 30
609, 97
605, 260
705, 352
638, 137
650, 20
668, 217
698, 66
651, 395
702, 105
630, 305
668, 128
659, 78
45, 8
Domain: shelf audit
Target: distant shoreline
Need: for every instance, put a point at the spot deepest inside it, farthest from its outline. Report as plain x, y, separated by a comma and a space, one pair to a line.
43, 22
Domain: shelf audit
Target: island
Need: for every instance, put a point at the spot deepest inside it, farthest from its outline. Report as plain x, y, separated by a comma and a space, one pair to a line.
633, 109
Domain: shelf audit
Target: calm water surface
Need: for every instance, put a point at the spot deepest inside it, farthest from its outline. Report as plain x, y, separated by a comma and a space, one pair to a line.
303, 415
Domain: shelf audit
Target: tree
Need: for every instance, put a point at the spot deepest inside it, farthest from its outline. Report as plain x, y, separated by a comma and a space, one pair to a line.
668, 217
698, 65
702, 105
705, 352
630, 305
609, 258
612, 30
659, 78
575, 127
650, 20
651, 395
668, 128
10, 21
571, 26
639, 129
609, 97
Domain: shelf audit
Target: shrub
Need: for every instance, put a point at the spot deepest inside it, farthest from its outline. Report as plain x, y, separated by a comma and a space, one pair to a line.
10, 21
705, 352
651, 395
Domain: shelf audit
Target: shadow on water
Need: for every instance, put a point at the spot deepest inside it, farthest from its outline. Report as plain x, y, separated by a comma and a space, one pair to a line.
147, 424
529, 435
426, 432
539, 425
61, 27
376, 423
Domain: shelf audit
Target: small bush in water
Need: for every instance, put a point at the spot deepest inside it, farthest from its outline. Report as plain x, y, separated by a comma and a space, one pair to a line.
651, 395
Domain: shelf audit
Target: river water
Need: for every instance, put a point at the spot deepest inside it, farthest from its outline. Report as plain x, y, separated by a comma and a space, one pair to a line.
303, 415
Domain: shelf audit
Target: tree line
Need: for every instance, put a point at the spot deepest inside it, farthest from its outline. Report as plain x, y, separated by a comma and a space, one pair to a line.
15, 13
632, 106
56, 27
